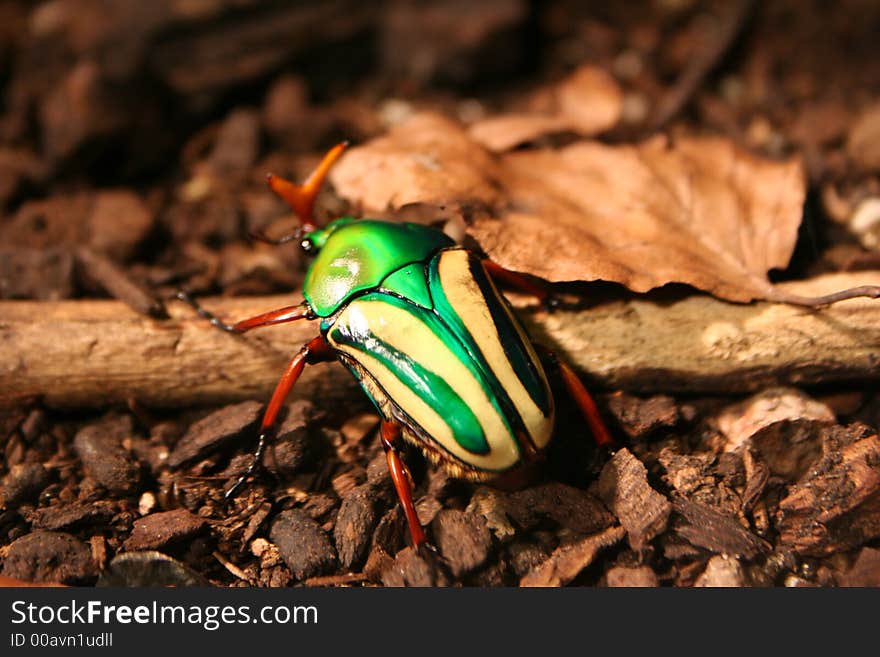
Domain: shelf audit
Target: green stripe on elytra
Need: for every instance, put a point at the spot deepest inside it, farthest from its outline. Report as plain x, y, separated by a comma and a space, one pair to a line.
511, 339
506, 333
511, 416
431, 388
452, 341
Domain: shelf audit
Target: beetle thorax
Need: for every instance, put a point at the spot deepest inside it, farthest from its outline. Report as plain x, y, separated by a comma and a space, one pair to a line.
357, 255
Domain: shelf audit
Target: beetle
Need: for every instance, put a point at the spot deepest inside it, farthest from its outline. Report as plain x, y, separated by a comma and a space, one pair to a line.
420, 323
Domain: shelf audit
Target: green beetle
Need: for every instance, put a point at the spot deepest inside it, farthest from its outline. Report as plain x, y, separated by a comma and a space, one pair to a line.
420, 324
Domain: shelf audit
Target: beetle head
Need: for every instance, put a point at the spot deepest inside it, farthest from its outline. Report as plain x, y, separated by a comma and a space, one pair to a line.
313, 241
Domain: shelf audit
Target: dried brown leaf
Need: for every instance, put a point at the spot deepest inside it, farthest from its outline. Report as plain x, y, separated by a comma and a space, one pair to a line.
721, 571
590, 99
699, 210
506, 131
429, 159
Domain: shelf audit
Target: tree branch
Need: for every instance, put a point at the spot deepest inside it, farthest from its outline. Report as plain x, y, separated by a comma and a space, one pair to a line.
92, 353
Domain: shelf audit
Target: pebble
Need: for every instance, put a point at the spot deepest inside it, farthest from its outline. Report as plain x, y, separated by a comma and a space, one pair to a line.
99, 447
358, 516
211, 433
463, 539
159, 530
45, 556
304, 546
24, 483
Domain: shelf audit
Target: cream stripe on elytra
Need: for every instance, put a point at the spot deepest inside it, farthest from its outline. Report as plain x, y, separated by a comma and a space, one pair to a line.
410, 336
465, 296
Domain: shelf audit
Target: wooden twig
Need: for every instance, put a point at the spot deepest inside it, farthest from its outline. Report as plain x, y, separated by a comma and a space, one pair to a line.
93, 353
118, 284
688, 83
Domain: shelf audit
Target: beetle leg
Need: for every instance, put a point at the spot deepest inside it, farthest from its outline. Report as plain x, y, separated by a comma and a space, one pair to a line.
583, 399
301, 198
315, 351
587, 404
279, 316
402, 482
520, 282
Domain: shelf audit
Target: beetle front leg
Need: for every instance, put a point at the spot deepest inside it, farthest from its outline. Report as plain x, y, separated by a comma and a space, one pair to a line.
315, 351
402, 482
279, 316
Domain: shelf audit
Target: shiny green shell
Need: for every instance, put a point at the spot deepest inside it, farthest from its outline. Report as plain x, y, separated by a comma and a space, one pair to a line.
431, 341
360, 254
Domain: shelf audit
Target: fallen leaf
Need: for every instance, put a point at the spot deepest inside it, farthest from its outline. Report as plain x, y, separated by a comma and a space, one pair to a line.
590, 99
501, 133
587, 102
428, 159
865, 571
623, 576
11, 582
699, 210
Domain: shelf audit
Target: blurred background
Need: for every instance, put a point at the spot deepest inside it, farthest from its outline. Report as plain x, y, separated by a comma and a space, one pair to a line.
143, 130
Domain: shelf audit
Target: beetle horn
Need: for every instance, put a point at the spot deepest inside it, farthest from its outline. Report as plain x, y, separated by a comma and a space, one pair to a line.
302, 197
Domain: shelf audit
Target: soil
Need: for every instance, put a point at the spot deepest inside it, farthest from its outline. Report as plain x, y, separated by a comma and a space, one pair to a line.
134, 144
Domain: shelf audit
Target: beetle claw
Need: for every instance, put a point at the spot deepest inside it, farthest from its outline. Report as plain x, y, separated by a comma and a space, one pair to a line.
239, 484
254, 469
436, 561
249, 476
233, 490
428, 550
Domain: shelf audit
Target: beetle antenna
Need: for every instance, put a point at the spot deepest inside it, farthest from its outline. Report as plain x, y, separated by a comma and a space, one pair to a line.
301, 198
260, 236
